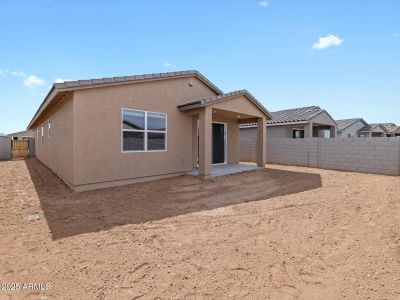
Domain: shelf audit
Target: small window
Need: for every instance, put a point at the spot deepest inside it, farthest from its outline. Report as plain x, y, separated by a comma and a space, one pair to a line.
349, 135
41, 135
326, 133
49, 129
298, 134
143, 131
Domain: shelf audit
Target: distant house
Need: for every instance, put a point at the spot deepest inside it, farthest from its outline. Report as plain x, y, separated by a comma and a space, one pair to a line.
393, 129
373, 130
349, 127
21, 135
397, 131
5, 147
304, 122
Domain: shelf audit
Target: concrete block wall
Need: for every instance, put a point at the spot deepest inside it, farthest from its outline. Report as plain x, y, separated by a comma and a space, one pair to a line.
248, 148
366, 155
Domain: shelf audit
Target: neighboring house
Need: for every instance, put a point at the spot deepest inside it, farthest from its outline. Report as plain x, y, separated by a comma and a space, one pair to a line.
304, 122
396, 132
5, 147
373, 130
349, 127
22, 135
113, 131
392, 129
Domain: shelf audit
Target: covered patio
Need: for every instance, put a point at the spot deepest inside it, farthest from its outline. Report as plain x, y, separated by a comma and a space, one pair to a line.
215, 130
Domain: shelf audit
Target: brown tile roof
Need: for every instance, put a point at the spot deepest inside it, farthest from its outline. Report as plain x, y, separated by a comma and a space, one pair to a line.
390, 127
210, 100
294, 115
134, 78
372, 126
302, 114
344, 123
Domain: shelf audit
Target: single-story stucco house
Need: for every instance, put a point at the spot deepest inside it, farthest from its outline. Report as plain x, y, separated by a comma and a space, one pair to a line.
112, 131
349, 127
373, 130
304, 122
21, 135
392, 129
396, 132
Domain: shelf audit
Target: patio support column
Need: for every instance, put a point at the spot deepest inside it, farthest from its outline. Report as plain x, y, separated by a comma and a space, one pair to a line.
195, 154
333, 132
261, 141
308, 130
205, 125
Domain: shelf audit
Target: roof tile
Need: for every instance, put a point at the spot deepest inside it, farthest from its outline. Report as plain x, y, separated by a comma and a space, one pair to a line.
301, 114
344, 123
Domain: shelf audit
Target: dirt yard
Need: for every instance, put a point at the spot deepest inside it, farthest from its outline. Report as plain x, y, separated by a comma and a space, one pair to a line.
278, 233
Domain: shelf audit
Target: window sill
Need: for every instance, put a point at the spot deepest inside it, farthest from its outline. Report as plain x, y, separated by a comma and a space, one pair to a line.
142, 151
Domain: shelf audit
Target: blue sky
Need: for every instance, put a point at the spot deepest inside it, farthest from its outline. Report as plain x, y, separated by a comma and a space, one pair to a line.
341, 55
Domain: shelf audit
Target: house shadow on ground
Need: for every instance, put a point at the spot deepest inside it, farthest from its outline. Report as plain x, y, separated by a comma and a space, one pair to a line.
69, 213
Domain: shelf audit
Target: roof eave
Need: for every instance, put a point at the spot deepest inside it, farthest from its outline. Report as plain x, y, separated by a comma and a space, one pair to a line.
50, 95
203, 102
75, 85
287, 123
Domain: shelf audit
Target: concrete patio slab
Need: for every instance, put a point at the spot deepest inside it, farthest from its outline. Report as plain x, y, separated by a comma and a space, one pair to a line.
222, 170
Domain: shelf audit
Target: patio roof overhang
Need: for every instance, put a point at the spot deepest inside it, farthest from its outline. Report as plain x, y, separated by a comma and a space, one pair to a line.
216, 100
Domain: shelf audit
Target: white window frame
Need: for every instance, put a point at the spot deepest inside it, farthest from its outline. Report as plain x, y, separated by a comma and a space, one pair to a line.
41, 135
49, 128
325, 131
298, 129
145, 131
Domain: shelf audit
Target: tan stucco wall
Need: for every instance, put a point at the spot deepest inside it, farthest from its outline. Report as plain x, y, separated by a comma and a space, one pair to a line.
324, 118
240, 105
273, 132
283, 131
97, 118
57, 150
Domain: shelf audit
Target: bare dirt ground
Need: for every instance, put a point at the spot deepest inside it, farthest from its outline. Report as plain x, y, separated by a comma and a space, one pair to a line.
278, 233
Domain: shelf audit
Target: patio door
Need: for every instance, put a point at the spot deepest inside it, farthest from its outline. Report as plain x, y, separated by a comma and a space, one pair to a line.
219, 143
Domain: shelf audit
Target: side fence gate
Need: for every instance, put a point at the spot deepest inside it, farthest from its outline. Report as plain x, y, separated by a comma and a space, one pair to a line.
20, 149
